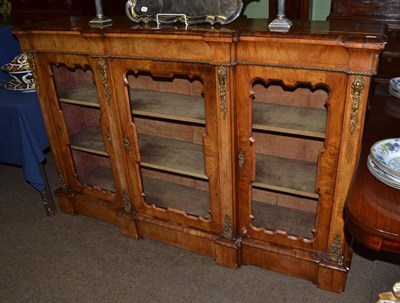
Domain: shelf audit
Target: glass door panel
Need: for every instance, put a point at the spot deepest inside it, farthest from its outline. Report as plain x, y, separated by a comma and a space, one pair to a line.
79, 103
288, 133
169, 115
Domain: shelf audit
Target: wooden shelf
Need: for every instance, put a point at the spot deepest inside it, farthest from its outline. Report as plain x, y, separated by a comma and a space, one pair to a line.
286, 175
173, 156
84, 94
159, 153
293, 221
89, 139
165, 105
164, 194
101, 177
289, 119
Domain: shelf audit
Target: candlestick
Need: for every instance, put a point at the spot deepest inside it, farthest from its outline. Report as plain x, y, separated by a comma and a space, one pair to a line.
100, 20
280, 23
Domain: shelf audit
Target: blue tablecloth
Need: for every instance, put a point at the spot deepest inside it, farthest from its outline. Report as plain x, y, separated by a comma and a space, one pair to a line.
9, 48
23, 136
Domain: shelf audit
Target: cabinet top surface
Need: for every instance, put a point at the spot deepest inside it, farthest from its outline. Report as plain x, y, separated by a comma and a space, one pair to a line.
336, 31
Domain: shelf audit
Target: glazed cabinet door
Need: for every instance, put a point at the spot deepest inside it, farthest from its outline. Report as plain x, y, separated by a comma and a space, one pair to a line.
172, 138
289, 126
81, 131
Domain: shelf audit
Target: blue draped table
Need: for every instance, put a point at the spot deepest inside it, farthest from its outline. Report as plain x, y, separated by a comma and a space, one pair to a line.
23, 137
23, 140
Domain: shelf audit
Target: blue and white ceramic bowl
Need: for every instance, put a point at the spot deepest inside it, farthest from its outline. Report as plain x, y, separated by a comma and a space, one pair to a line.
386, 155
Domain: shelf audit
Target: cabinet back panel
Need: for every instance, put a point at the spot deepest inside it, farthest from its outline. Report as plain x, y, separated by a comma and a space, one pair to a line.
177, 131
78, 117
275, 218
277, 145
169, 195
65, 78
277, 93
94, 170
192, 182
174, 84
273, 198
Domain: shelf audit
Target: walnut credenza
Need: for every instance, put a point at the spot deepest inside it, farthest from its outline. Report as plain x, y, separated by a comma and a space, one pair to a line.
233, 142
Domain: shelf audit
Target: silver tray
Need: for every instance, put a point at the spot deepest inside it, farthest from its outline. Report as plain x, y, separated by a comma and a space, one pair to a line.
186, 11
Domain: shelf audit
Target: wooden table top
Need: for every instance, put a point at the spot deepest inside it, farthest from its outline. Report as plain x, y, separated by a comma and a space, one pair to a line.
372, 208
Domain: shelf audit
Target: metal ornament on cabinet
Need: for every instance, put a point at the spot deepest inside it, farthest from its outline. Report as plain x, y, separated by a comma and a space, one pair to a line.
356, 95
227, 232
109, 136
61, 179
241, 159
32, 65
127, 202
280, 23
100, 21
104, 78
127, 144
334, 255
223, 86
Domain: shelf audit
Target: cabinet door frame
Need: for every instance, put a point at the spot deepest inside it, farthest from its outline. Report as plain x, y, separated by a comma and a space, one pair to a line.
216, 140
58, 133
327, 160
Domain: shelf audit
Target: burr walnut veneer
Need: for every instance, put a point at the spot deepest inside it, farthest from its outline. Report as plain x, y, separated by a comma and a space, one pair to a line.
233, 142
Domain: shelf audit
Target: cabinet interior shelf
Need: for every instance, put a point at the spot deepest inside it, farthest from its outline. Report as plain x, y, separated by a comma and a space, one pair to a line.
167, 105
289, 119
89, 139
274, 217
286, 175
83, 94
165, 194
101, 177
173, 156
185, 158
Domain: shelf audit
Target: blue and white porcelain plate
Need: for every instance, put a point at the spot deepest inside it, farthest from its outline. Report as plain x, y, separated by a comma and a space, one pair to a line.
394, 83
381, 175
386, 155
